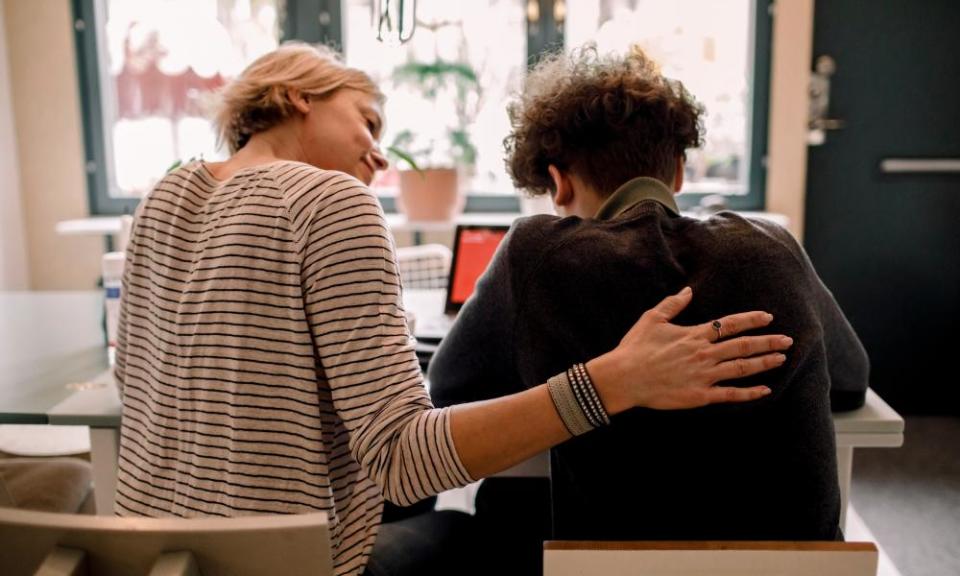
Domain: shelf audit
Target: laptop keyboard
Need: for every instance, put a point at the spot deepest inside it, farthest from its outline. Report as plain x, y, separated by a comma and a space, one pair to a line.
433, 328
430, 331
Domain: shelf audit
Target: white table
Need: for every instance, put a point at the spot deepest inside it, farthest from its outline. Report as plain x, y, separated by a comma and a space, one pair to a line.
111, 226
875, 425
54, 354
97, 405
87, 396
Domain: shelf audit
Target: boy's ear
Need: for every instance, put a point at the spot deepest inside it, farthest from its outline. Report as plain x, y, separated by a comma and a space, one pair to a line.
563, 190
678, 175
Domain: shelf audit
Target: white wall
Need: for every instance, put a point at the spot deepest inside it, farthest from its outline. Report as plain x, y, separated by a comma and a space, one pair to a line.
46, 107
13, 251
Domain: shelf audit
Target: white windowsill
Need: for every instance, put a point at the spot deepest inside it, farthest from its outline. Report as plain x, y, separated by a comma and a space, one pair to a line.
104, 225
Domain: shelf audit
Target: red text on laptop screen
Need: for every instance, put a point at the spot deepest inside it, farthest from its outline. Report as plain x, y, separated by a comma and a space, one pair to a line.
475, 253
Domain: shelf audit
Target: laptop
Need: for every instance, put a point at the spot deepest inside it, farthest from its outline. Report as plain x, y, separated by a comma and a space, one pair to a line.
473, 248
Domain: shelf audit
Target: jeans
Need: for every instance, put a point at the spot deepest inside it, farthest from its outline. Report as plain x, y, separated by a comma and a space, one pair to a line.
431, 543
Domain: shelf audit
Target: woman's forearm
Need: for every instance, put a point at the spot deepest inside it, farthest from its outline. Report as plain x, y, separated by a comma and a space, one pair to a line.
493, 435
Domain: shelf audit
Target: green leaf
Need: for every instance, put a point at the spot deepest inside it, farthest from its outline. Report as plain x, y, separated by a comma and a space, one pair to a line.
405, 157
179, 162
430, 78
466, 151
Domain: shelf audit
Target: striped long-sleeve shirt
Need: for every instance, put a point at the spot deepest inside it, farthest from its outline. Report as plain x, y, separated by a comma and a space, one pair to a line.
264, 358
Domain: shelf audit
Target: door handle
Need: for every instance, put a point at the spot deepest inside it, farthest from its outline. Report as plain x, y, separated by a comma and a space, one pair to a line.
920, 165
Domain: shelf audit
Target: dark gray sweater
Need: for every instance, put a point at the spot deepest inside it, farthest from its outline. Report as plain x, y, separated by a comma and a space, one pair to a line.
562, 290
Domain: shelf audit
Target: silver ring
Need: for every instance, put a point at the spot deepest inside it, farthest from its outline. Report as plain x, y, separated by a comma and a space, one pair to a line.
719, 328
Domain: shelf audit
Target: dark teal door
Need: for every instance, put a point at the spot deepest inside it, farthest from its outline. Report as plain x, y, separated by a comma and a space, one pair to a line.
888, 244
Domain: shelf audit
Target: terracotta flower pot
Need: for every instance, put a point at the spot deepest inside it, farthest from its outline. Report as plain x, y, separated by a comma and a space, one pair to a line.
432, 194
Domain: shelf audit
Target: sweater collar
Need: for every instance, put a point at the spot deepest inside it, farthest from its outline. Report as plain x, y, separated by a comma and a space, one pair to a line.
633, 192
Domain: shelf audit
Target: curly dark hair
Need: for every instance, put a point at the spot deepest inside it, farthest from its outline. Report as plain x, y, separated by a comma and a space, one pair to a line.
607, 119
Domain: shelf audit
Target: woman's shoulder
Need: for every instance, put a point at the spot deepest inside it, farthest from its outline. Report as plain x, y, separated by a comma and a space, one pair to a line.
282, 174
302, 183
310, 193
290, 174
189, 181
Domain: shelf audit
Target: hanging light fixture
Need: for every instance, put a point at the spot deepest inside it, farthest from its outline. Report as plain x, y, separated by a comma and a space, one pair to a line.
394, 20
533, 11
559, 11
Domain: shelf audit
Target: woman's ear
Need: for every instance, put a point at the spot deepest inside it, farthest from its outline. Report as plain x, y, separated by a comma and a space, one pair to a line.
563, 190
299, 100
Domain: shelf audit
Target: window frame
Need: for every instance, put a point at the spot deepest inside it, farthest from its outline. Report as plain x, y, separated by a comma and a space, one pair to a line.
87, 25
759, 55
326, 27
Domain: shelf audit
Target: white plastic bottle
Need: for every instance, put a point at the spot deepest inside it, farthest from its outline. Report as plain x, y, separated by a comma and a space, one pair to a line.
112, 281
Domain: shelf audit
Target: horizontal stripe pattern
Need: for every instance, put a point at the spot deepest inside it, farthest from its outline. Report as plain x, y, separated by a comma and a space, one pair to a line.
264, 359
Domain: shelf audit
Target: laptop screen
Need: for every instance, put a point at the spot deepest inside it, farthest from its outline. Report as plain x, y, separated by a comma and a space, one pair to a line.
473, 249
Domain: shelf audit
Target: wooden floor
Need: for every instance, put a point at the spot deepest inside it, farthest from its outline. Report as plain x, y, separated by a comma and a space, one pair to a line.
910, 496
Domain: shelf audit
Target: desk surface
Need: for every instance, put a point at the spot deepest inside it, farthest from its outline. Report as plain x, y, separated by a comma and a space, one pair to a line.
54, 367
52, 343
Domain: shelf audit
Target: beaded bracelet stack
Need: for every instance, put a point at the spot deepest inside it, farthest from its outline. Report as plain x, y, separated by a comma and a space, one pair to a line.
577, 401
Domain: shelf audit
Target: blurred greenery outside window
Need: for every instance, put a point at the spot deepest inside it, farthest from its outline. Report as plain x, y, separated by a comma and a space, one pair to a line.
149, 71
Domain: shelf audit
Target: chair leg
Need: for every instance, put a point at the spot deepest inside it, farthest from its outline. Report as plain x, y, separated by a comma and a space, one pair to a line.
180, 563
63, 562
104, 443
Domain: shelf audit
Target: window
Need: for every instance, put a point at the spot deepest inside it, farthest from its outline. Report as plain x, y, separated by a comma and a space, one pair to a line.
709, 47
447, 87
155, 65
146, 85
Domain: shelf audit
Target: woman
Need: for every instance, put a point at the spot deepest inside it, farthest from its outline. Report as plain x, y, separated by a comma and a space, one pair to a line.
263, 354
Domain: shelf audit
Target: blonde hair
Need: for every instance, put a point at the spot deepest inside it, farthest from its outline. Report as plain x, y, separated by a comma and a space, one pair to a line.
257, 100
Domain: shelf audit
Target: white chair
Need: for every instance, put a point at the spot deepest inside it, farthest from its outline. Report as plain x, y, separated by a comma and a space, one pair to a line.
424, 267
564, 558
47, 544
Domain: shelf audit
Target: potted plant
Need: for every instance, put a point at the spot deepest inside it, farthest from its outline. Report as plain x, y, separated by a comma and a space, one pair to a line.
439, 149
